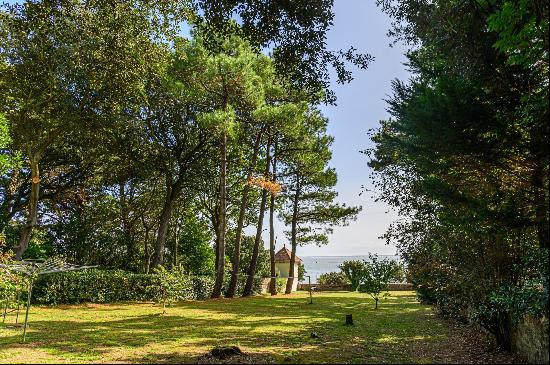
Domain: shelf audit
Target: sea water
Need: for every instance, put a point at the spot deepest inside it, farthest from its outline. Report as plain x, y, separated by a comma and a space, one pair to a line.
317, 265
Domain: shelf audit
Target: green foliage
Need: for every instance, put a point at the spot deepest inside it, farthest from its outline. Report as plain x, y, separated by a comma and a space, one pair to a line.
280, 284
400, 273
241, 282
522, 31
263, 267
464, 157
9, 159
301, 272
196, 255
109, 286
219, 121
376, 276
175, 285
11, 283
119, 125
354, 271
334, 278
96, 286
510, 303
40, 246
295, 31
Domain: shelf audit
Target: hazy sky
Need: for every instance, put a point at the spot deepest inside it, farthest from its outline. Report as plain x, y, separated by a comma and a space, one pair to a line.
360, 106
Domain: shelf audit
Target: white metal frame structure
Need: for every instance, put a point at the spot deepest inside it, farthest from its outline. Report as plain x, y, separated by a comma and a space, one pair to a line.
33, 268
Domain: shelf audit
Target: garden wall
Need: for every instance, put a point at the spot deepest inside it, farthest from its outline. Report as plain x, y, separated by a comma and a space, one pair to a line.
319, 287
530, 339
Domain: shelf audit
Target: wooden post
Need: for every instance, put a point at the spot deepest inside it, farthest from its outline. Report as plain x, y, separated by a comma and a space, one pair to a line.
310, 295
349, 320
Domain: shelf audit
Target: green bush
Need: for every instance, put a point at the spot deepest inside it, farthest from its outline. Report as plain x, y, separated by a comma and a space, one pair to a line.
175, 285
11, 283
280, 284
353, 270
96, 286
334, 278
107, 286
202, 286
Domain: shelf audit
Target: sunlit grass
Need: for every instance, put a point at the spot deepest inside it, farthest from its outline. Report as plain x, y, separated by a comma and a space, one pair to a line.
279, 327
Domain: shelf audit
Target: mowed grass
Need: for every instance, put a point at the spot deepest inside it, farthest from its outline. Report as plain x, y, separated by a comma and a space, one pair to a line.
275, 329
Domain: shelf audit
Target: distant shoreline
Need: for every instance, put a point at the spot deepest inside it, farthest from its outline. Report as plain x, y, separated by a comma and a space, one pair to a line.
365, 255
318, 265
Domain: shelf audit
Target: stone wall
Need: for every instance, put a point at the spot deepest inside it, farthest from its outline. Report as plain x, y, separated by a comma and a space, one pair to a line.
318, 287
530, 339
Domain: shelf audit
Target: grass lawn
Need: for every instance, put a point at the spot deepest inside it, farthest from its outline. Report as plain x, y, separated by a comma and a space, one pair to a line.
277, 329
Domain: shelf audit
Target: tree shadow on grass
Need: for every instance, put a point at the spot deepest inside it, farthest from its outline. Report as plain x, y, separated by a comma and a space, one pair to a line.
278, 328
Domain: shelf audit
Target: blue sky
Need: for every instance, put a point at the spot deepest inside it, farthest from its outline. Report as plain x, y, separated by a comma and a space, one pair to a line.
360, 106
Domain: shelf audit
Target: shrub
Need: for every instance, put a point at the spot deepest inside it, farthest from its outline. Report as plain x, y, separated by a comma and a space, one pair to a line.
107, 286
334, 278
280, 284
175, 285
376, 276
301, 272
11, 283
96, 286
202, 286
353, 270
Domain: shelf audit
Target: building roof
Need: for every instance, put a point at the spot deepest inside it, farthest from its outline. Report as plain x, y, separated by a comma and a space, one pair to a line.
283, 255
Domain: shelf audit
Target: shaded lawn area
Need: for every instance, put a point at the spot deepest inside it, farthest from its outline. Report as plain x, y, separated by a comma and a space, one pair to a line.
270, 329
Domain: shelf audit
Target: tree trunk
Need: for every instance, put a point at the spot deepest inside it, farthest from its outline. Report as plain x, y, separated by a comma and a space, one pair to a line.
177, 230
273, 281
290, 281
254, 259
216, 245
146, 250
238, 235
220, 250
147, 254
126, 227
32, 208
164, 221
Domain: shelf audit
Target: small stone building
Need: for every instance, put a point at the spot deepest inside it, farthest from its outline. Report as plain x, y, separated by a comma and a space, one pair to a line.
282, 265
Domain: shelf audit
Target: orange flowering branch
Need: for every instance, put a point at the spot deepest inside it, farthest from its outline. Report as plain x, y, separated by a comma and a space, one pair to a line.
271, 186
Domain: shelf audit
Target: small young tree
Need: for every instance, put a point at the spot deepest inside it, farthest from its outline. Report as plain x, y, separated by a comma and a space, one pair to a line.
354, 272
376, 276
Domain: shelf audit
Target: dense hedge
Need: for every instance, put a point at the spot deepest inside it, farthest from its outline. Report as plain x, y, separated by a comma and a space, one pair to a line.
107, 286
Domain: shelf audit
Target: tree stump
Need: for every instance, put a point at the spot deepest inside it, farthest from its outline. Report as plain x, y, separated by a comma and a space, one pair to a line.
223, 353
